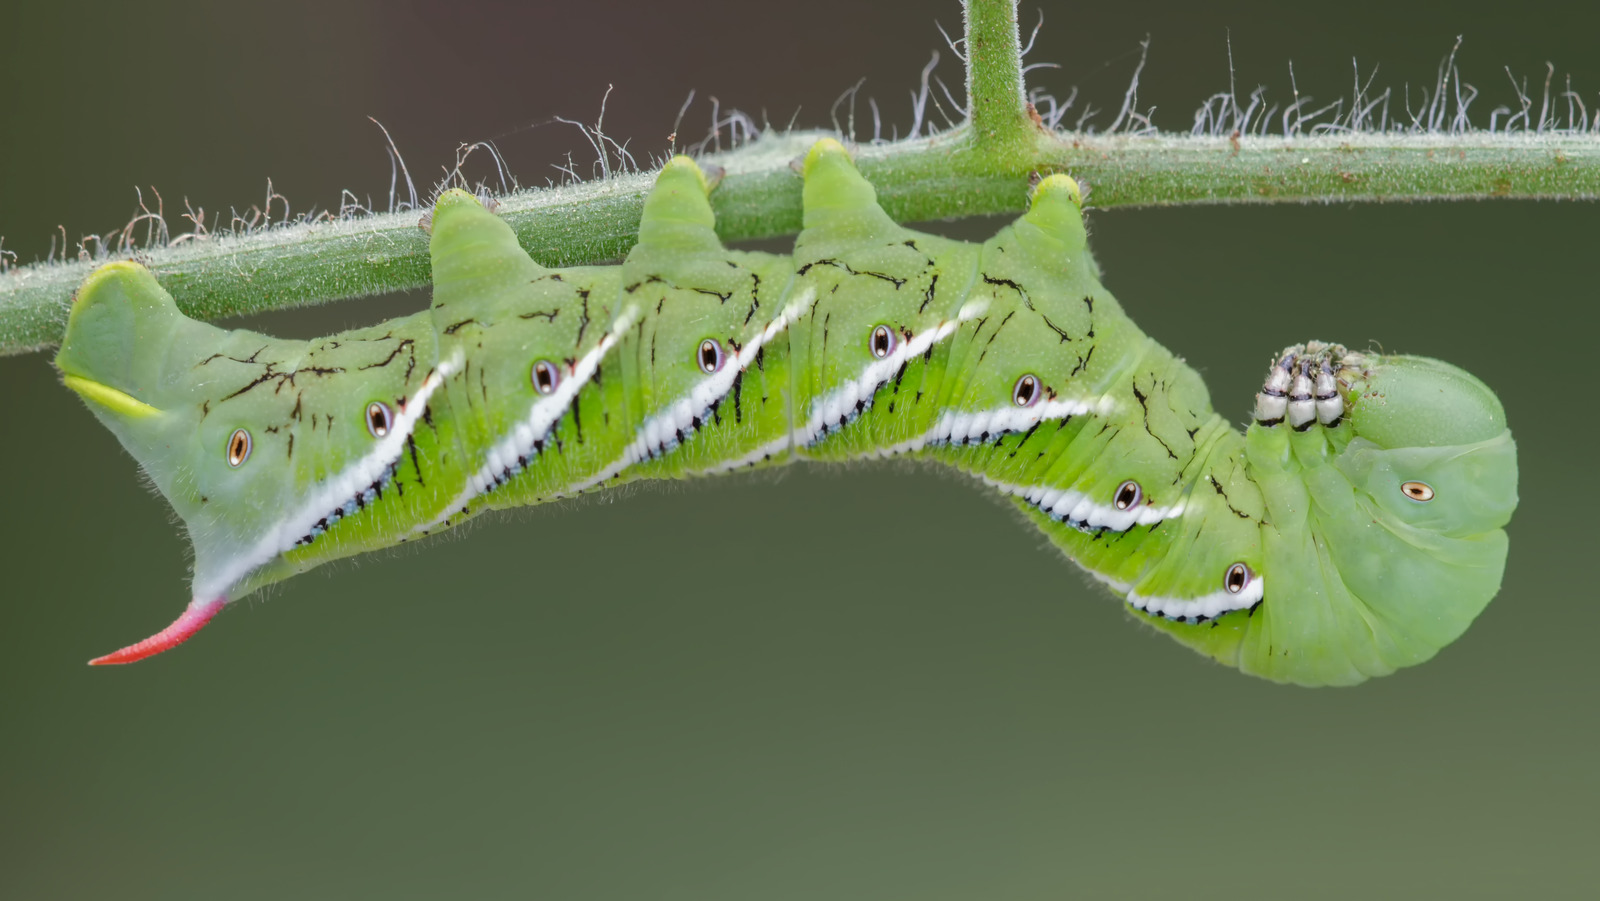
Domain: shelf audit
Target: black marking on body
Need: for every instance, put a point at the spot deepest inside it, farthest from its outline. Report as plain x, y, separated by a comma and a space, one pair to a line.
583, 320
755, 294
927, 298
977, 326
1055, 328
927, 261
405, 344
250, 360
454, 327
1083, 361
1025, 436
283, 378
1008, 283
840, 264
995, 334
1224, 495
978, 330
1143, 399
416, 462
898, 375
648, 280
546, 315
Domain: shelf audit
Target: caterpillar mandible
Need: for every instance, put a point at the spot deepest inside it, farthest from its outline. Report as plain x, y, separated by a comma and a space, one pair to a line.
1354, 528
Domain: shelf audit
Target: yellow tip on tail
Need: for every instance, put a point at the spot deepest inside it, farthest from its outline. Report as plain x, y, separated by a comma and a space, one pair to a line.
110, 398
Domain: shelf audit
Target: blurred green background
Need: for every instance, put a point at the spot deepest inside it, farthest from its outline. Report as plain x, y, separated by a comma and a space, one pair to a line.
866, 683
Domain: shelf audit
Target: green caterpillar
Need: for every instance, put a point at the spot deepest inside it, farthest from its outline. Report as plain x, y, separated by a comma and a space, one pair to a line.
1354, 528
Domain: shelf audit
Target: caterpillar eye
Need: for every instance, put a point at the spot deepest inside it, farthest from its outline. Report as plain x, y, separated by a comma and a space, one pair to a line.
1128, 494
710, 356
1417, 491
545, 377
379, 419
1237, 579
882, 342
1026, 391
238, 448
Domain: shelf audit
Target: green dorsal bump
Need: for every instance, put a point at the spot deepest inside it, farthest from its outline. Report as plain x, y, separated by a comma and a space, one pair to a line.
837, 199
1056, 210
677, 215
476, 258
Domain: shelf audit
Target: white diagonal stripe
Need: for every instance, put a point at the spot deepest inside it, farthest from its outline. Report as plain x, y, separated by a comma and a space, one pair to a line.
837, 406
330, 494
1081, 511
661, 430
1209, 606
542, 416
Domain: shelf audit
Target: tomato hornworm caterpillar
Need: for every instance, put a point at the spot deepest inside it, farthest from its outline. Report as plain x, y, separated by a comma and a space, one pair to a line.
1353, 529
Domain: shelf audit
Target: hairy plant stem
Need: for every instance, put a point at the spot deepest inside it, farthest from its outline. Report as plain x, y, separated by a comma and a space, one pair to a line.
997, 110
978, 168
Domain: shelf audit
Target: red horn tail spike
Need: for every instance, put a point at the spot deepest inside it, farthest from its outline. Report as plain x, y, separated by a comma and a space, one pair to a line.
196, 615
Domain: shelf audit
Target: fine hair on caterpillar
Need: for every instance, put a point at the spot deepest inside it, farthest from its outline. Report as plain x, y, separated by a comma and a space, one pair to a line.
1006, 360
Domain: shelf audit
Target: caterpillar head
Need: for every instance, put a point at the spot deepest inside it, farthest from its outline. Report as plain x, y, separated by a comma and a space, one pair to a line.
1431, 448
1383, 535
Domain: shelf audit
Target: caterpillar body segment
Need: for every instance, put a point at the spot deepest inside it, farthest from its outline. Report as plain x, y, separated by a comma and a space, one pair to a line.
1354, 528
